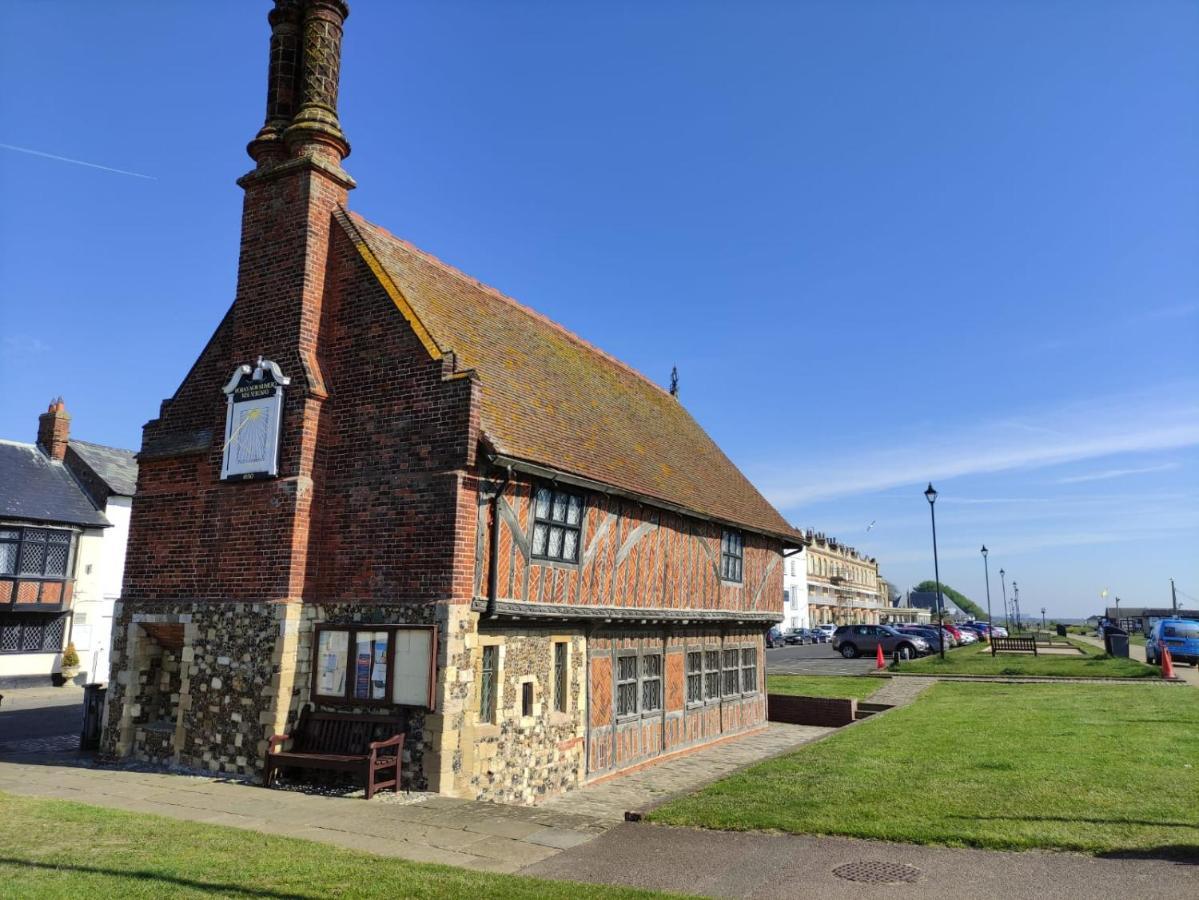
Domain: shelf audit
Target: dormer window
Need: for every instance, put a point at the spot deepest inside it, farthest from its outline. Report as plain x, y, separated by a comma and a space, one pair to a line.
731, 553
557, 525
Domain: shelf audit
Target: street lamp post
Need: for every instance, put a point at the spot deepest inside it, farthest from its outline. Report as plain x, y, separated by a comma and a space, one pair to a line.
931, 496
987, 574
1007, 613
1016, 602
1043, 625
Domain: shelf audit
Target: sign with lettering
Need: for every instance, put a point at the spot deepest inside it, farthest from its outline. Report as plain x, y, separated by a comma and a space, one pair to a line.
252, 419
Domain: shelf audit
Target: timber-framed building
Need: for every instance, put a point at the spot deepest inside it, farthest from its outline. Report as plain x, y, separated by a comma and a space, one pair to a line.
384, 486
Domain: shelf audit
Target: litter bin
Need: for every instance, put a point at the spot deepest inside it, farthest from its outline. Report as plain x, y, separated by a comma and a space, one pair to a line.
1117, 644
1110, 633
1061, 631
93, 712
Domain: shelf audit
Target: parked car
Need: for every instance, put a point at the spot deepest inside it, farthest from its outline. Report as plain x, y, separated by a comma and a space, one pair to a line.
1179, 636
968, 635
827, 628
774, 637
953, 629
999, 631
851, 641
795, 636
819, 636
931, 635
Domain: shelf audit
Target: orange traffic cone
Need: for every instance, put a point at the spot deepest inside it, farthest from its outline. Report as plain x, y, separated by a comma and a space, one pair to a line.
879, 662
1167, 663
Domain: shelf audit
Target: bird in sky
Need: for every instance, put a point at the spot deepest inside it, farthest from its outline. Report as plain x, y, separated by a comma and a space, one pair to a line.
871, 525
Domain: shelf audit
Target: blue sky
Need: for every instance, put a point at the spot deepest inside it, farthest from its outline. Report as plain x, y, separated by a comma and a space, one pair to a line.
883, 242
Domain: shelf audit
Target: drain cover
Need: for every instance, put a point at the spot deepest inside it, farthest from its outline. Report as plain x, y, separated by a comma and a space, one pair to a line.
873, 871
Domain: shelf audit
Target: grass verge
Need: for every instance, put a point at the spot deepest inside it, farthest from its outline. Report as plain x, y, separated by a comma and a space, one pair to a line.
977, 660
842, 687
52, 848
1092, 768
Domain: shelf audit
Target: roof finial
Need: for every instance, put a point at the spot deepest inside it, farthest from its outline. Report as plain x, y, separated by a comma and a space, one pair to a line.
674, 381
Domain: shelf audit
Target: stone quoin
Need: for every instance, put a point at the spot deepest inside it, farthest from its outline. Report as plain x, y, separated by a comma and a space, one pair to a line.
476, 521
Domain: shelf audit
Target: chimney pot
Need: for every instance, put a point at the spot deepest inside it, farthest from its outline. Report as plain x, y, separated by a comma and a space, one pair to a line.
54, 430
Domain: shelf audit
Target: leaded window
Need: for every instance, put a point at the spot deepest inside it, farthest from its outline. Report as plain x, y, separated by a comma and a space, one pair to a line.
626, 685
560, 675
651, 682
487, 683
711, 674
749, 669
35, 552
731, 553
557, 525
695, 676
732, 673
31, 634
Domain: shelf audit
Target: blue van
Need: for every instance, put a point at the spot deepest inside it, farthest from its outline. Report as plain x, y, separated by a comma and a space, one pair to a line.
1179, 636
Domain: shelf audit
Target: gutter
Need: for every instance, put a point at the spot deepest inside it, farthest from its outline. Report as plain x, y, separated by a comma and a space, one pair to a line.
493, 569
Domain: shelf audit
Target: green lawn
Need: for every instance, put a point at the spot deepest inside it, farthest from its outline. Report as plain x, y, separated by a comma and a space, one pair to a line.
1086, 767
52, 848
839, 686
976, 659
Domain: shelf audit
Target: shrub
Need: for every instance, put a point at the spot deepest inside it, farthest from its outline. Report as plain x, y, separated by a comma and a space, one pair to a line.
70, 658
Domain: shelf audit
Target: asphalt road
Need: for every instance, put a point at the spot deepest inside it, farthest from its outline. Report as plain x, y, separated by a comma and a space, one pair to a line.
724, 864
814, 659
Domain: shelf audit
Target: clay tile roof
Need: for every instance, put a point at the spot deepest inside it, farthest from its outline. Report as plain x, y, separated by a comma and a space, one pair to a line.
552, 399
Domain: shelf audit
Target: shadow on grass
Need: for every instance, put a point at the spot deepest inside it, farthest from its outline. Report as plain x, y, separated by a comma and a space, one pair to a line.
1179, 854
1153, 823
215, 888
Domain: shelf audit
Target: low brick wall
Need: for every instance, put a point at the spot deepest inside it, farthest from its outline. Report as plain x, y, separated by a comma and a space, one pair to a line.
810, 710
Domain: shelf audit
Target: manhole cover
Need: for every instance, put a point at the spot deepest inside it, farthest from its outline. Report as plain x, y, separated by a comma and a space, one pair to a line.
873, 871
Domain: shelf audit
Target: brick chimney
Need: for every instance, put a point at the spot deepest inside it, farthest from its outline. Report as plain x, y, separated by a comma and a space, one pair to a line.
53, 430
287, 225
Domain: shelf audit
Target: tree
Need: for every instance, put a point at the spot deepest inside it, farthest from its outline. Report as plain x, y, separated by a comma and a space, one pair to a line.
964, 603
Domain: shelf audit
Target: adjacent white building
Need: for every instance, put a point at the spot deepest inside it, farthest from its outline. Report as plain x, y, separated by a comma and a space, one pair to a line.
795, 591
64, 523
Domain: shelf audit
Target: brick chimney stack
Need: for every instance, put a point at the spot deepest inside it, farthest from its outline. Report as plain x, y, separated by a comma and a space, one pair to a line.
54, 429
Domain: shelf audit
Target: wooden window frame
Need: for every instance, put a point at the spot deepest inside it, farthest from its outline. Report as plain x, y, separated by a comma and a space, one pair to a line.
635, 681
726, 671
352, 629
489, 711
753, 683
561, 676
642, 678
20, 622
732, 556
712, 672
549, 522
689, 674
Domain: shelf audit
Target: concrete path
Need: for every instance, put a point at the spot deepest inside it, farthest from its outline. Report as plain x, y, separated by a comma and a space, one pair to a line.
640, 791
425, 828
1188, 673
724, 864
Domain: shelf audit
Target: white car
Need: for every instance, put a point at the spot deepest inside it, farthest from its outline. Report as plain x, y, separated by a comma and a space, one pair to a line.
968, 636
828, 628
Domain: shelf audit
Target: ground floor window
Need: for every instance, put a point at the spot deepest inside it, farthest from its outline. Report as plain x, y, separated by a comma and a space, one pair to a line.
695, 676
732, 673
651, 682
487, 683
749, 669
560, 675
31, 633
626, 685
711, 674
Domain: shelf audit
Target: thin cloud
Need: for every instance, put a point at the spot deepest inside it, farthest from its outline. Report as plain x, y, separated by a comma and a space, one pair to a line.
1132, 423
77, 162
24, 344
1116, 473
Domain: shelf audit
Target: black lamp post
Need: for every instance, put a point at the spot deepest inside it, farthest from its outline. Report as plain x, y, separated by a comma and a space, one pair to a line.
1043, 625
931, 496
1016, 603
987, 574
1007, 613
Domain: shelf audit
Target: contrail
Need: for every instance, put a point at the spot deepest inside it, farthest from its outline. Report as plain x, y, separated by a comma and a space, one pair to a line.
77, 162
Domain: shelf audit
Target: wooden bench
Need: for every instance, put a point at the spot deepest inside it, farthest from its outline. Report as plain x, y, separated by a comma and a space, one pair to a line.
341, 742
1014, 645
